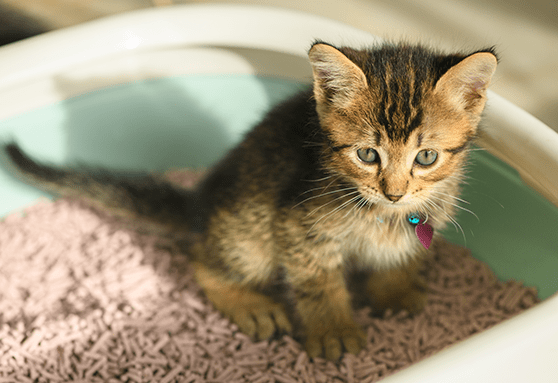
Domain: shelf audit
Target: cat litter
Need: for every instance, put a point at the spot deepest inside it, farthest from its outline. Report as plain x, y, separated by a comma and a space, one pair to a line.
85, 300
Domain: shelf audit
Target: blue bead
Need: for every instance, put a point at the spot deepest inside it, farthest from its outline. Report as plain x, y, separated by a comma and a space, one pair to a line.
414, 219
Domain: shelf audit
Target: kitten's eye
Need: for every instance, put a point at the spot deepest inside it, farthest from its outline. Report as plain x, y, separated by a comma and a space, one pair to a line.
368, 155
426, 157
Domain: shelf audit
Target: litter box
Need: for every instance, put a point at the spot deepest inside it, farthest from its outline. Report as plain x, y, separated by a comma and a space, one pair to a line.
176, 87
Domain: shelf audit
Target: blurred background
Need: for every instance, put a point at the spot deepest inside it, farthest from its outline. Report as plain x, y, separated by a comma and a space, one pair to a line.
525, 33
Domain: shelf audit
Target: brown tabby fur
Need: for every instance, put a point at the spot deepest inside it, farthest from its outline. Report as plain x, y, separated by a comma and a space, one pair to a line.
283, 220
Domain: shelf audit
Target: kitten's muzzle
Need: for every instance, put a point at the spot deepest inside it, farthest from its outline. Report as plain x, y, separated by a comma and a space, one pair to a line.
394, 197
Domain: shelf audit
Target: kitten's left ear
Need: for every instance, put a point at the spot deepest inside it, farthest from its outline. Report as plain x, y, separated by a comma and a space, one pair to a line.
337, 80
465, 84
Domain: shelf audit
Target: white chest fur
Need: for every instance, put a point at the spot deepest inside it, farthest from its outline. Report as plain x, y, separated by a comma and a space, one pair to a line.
381, 245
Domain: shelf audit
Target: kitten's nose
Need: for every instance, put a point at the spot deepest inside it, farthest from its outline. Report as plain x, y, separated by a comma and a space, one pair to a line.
394, 197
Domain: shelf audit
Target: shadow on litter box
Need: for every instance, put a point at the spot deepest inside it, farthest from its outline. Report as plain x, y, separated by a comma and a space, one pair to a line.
15, 25
142, 125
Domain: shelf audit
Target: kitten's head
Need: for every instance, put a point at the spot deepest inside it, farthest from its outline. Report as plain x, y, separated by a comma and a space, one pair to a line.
399, 118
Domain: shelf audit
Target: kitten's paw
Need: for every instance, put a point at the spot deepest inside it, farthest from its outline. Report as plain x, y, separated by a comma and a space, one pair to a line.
413, 301
397, 289
331, 343
412, 298
256, 314
259, 320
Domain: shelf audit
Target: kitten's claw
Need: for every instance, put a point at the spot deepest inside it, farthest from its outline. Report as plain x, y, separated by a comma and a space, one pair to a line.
331, 344
414, 301
332, 348
398, 289
256, 315
353, 344
281, 320
260, 322
265, 325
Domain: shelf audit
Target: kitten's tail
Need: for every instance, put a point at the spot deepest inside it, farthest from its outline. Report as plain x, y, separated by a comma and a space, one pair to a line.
145, 197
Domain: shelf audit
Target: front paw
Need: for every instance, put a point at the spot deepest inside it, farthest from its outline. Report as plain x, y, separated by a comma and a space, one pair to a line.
257, 315
330, 342
411, 296
260, 320
412, 300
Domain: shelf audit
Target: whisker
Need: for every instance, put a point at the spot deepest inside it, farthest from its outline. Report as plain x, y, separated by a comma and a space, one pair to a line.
355, 206
321, 179
425, 208
334, 211
322, 194
338, 208
364, 202
451, 196
461, 178
437, 207
324, 188
452, 220
324, 205
457, 206
331, 183
311, 190
489, 196
460, 228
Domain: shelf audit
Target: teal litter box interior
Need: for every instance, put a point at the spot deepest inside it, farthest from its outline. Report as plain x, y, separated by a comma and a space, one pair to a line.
190, 121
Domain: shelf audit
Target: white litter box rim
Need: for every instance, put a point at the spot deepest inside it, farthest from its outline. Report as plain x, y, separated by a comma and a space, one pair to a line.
524, 348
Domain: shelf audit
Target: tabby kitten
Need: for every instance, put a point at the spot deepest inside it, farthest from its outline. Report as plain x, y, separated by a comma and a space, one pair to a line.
337, 178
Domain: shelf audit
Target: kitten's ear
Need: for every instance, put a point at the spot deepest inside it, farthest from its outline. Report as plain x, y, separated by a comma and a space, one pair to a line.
337, 80
465, 83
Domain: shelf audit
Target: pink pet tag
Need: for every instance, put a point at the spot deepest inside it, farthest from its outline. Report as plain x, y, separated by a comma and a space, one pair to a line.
423, 230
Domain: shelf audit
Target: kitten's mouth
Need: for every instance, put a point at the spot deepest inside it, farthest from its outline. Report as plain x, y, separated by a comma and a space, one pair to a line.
387, 202
406, 205
395, 204
391, 204
394, 200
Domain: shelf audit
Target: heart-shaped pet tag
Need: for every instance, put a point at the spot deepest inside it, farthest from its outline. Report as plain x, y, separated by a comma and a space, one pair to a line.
424, 233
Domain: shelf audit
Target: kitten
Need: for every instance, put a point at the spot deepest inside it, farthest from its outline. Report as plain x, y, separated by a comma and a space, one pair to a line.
335, 179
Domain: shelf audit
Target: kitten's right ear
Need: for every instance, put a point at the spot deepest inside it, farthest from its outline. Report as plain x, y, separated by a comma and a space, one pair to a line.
337, 80
465, 84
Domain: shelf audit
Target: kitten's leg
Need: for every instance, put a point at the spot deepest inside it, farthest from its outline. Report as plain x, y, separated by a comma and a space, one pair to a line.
256, 314
398, 288
324, 306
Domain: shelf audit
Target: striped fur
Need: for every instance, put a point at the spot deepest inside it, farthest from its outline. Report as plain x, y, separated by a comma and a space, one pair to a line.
320, 187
